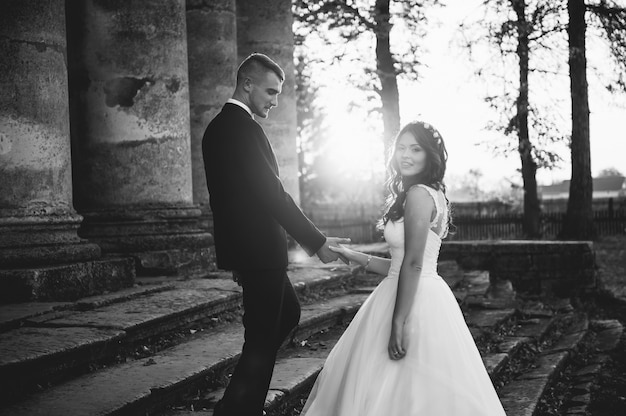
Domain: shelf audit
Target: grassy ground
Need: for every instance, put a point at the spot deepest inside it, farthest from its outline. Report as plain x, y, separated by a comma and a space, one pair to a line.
609, 398
611, 260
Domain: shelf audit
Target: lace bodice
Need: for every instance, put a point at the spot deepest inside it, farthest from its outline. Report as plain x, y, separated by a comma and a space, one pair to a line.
394, 235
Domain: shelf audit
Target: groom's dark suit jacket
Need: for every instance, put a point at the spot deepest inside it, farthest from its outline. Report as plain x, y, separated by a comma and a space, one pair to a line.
251, 210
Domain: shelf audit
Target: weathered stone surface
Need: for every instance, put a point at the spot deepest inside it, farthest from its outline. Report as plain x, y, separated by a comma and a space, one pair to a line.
537, 313
12, 315
477, 333
608, 334
573, 336
290, 374
121, 387
535, 329
212, 57
591, 369
129, 103
581, 388
512, 344
488, 318
31, 355
210, 284
580, 400
25, 345
477, 282
322, 315
520, 397
548, 366
98, 301
67, 282
35, 163
38, 224
153, 313
562, 268
273, 398
577, 411
194, 261
495, 362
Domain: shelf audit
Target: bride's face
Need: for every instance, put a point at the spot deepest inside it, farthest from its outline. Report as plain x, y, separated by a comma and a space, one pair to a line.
409, 156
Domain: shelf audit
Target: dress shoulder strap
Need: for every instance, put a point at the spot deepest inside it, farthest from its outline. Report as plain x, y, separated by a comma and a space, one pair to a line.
440, 222
433, 195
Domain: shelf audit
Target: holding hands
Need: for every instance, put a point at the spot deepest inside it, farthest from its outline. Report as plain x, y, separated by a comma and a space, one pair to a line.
327, 252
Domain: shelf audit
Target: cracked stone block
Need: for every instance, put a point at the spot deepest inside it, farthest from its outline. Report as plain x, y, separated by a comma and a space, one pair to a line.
581, 388
592, 369
608, 334
580, 400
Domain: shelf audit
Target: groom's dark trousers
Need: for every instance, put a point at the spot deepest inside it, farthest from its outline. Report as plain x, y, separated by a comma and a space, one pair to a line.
251, 215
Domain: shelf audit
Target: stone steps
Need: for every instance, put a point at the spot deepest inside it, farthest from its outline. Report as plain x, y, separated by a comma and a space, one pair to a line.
69, 336
297, 368
59, 345
45, 343
522, 395
140, 386
578, 395
295, 371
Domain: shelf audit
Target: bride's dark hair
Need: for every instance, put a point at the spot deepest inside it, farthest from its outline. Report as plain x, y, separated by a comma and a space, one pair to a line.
431, 142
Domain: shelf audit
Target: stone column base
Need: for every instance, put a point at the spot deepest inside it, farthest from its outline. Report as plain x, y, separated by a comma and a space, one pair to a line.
206, 219
30, 241
42, 258
162, 240
65, 282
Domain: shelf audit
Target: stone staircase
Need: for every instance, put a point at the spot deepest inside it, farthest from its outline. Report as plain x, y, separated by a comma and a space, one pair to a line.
167, 347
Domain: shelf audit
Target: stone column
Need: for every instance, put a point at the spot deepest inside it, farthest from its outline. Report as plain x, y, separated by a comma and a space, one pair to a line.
212, 54
266, 27
41, 255
129, 106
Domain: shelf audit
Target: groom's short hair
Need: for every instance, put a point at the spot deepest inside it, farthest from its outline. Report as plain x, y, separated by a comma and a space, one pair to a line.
256, 64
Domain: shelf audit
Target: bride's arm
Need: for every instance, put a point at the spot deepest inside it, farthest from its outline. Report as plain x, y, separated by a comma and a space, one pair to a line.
417, 212
379, 265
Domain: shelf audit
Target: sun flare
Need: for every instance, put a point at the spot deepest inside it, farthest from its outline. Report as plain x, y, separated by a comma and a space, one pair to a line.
355, 149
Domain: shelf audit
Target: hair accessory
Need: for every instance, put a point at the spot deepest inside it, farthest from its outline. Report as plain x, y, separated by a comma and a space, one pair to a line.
434, 132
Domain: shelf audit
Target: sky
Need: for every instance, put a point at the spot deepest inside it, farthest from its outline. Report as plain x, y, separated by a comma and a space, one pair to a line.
448, 96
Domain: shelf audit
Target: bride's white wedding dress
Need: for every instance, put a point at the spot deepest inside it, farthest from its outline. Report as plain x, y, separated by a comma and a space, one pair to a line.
442, 373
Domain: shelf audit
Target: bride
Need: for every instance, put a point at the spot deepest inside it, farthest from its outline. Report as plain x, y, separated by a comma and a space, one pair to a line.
408, 351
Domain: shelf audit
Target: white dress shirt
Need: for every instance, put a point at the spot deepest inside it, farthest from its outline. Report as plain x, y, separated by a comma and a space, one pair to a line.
240, 104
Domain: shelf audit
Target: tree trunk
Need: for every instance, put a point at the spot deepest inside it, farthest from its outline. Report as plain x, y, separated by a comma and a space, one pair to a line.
578, 224
387, 74
532, 211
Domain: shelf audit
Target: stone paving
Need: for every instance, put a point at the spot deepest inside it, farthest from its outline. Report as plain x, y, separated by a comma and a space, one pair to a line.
76, 358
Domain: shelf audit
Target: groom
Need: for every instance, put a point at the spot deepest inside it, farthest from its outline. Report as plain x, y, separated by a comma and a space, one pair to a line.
251, 212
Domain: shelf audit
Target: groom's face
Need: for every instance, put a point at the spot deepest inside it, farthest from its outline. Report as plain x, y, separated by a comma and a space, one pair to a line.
264, 93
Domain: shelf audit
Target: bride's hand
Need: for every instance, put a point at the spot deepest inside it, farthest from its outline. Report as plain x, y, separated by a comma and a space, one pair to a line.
396, 347
343, 252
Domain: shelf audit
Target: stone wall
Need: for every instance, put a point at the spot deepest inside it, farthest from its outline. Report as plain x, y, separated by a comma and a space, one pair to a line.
560, 268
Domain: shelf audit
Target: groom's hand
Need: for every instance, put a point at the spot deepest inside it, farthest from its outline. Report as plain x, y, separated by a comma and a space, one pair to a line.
326, 255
